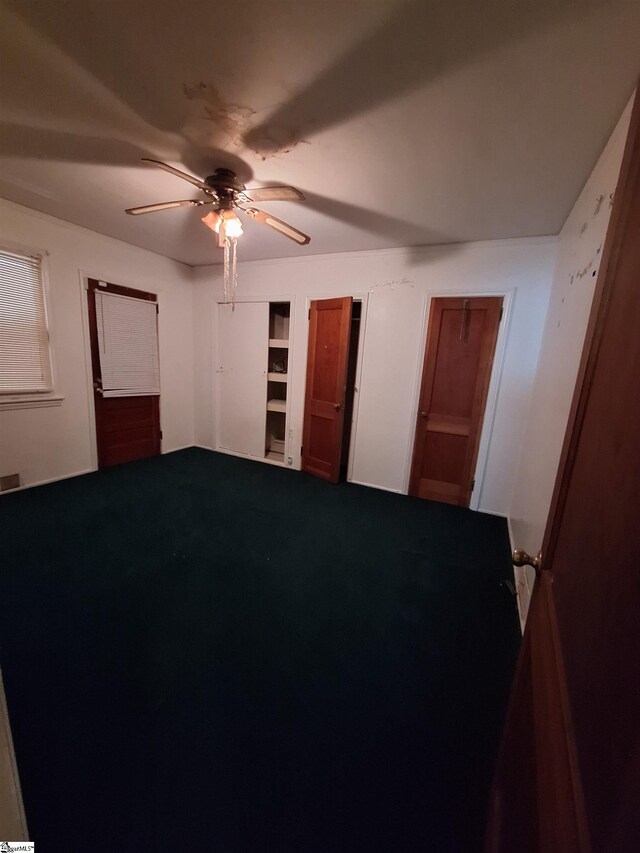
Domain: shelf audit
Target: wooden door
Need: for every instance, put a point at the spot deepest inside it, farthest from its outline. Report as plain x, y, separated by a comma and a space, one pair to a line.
461, 341
127, 427
243, 354
327, 360
578, 678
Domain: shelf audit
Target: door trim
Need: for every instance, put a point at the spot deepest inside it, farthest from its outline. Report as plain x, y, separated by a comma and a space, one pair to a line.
88, 366
495, 380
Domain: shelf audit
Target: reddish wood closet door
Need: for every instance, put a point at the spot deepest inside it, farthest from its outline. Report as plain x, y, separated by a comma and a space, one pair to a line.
327, 360
580, 689
457, 367
127, 428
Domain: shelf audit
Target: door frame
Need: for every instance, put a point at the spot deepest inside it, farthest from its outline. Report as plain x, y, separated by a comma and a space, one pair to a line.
363, 299
84, 277
215, 390
486, 430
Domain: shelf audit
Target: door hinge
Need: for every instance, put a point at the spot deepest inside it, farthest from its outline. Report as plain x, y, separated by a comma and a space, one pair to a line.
501, 313
301, 449
157, 308
309, 314
160, 434
473, 484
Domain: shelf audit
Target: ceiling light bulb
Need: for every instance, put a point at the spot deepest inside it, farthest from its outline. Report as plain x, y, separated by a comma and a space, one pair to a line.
232, 226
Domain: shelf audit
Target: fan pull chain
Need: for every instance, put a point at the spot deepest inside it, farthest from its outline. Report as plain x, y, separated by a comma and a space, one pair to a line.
234, 272
230, 276
226, 270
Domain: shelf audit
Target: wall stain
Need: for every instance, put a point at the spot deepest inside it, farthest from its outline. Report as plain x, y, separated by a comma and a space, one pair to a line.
584, 270
393, 283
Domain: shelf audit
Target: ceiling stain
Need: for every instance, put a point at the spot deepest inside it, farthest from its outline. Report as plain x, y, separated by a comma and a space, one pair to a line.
273, 140
232, 124
231, 120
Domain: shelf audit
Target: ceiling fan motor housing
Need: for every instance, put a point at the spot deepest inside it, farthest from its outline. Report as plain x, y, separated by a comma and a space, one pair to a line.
226, 185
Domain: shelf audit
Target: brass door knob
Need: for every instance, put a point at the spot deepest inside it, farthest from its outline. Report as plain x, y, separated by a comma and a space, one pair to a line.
521, 558
424, 414
337, 406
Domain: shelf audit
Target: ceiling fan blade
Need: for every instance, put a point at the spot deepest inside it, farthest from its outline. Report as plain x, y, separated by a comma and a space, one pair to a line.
185, 177
278, 225
166, 205
273, 194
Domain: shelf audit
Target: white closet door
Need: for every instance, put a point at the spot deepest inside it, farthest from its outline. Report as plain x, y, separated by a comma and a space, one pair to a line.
243, 349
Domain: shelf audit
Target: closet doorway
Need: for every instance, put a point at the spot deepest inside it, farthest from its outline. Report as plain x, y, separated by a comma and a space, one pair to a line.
461, 343
330, 397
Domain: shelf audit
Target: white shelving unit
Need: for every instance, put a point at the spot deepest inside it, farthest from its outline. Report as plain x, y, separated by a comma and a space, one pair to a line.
277, 382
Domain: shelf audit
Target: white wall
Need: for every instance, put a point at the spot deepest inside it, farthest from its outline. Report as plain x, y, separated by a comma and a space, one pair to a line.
397, 285
52, 442
579, 252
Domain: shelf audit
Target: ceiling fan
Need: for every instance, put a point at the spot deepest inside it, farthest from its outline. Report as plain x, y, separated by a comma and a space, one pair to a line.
225, 194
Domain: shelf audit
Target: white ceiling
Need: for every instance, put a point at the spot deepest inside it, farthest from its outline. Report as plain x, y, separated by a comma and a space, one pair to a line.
405, 122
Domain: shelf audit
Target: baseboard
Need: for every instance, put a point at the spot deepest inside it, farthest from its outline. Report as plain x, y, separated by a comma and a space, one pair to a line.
250, 458
50, 480
205, 447
374, 486
86, 471
14, 822
492, 512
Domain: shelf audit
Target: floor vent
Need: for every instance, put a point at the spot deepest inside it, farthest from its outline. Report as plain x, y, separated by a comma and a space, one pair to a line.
10, 481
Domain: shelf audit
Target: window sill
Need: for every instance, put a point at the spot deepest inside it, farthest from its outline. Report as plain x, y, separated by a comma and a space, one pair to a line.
27, 401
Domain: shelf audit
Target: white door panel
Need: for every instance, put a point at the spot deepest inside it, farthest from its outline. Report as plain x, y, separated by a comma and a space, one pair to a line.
243, 337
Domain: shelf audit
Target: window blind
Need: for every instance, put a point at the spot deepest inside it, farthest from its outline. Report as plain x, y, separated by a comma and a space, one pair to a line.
128, 345
25, 360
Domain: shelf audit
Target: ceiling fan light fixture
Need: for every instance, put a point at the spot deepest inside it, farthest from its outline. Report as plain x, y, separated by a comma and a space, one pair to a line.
225, 219
226, 192
212, 220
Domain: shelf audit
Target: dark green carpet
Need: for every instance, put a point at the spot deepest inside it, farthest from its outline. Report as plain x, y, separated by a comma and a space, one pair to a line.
203, 653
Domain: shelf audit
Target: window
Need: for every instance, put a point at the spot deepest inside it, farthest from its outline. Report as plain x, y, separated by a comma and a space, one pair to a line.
25, 358
128, 345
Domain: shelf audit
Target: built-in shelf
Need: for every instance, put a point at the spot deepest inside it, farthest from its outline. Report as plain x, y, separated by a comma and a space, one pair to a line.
277, 383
